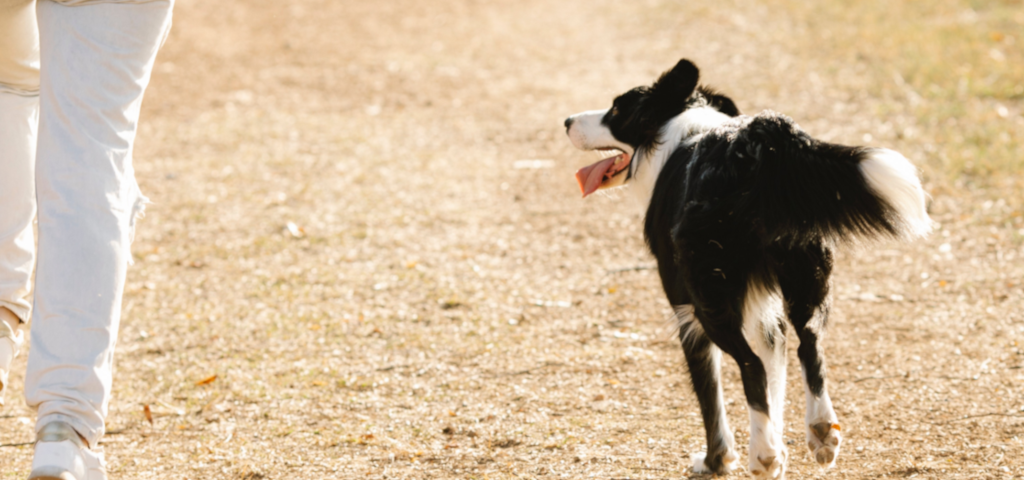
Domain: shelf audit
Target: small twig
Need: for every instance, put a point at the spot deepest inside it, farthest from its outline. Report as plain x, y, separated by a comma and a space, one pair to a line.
631, 478
634, 268
529, 370
389, 368
649, 468
516, 374
16, 444
876, 378
994, 414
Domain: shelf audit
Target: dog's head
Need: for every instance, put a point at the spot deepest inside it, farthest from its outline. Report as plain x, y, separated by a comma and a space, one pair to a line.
632, 126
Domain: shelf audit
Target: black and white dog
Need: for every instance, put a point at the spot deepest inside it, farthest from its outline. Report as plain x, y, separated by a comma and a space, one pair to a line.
742, 213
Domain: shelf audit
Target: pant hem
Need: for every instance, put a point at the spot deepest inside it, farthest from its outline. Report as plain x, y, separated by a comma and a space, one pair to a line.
21, 92
19, 311
92, 437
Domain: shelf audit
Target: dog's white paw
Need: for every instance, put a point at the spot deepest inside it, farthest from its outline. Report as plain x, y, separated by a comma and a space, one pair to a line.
769, 464
730, 460
823, 439
698, 463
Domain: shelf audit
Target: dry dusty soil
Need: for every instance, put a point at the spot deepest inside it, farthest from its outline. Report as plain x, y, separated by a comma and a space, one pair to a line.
367, 256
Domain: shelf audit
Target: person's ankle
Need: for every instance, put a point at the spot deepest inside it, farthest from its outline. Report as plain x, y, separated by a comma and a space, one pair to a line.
58, 431
8, 317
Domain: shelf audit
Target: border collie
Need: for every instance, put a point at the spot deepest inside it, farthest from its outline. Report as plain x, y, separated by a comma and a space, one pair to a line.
742, 213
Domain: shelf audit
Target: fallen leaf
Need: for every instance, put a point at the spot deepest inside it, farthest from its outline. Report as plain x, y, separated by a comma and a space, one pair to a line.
148, 413
295, 230
208, 380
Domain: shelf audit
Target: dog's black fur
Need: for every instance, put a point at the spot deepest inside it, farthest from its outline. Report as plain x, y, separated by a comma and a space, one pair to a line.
753, 203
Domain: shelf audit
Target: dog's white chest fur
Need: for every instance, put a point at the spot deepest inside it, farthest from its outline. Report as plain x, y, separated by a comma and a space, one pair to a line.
685, 128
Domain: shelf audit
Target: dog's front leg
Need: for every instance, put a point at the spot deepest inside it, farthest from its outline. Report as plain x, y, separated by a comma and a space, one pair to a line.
704, 360
764, 379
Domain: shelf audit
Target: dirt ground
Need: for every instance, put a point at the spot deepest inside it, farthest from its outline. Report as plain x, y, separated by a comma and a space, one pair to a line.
367, 256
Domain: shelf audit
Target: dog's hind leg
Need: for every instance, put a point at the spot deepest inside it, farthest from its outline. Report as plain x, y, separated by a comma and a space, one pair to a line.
763, 368
804, 281
704, 360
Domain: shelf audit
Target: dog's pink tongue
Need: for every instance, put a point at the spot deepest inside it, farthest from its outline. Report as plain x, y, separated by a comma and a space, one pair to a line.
591, 176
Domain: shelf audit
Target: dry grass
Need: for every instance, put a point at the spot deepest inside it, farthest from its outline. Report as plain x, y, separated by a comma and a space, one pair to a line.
954, 67
435, 312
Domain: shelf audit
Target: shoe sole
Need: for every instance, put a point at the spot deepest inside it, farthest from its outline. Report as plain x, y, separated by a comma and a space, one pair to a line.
63, 476
51, 473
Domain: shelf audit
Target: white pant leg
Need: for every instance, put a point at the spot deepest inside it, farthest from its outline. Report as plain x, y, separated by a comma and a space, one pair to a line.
96, 62
19, 118
19, 47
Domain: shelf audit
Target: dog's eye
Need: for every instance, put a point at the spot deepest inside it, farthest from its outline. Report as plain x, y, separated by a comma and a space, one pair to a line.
615, 111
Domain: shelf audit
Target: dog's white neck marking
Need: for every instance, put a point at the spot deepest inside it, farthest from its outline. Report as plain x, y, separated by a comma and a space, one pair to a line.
685, 128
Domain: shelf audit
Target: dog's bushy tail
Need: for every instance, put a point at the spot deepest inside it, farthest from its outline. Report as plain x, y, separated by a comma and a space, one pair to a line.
803, 190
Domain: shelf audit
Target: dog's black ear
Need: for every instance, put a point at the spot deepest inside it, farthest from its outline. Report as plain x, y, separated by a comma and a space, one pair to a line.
676, 85
723, 103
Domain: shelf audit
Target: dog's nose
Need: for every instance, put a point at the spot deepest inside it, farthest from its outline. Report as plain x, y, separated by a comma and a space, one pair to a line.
568, 123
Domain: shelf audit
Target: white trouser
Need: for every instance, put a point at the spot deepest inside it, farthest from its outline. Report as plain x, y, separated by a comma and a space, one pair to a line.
78, 69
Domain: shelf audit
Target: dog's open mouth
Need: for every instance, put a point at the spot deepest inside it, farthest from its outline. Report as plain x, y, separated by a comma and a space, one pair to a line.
600, 174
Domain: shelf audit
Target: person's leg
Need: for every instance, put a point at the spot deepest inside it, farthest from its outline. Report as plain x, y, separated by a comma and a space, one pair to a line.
96, 63
19, 117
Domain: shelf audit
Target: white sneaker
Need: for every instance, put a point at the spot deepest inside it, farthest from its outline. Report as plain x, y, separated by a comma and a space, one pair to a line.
62, 455
10, 340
